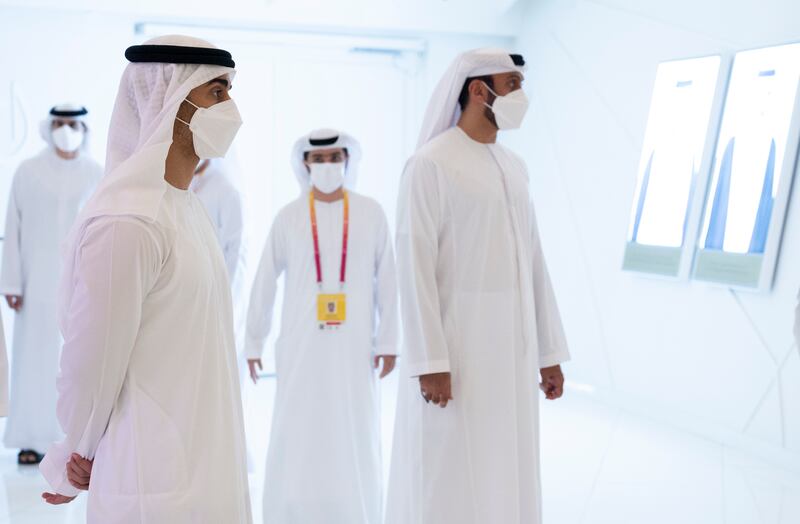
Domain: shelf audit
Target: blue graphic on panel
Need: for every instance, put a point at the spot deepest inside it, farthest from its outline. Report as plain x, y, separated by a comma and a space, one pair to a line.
719, 209
758, 241
642, 198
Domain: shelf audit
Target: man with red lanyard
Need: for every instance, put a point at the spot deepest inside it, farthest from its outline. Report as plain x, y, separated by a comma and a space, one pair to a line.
338, 324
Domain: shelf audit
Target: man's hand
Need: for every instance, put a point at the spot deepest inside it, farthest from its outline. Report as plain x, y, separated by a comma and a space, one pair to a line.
552, 382
436, 388
252, 363
388, 363
56, 498
14, 302
79, 470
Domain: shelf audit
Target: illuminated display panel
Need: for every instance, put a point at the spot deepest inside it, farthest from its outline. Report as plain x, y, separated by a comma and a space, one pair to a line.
754, 163
672, 167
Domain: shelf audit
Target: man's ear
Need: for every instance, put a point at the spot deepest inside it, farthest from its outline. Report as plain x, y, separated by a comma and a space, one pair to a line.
477, 90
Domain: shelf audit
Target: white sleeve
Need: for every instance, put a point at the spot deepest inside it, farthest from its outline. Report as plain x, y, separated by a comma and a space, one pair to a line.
11, 275
116, 265
551, 339
262, 296
385, 292
418, 223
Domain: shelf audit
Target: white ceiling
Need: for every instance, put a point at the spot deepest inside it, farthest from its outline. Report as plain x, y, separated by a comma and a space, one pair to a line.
493, 17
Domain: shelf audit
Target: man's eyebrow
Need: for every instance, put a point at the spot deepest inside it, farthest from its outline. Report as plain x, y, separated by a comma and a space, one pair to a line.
221, 81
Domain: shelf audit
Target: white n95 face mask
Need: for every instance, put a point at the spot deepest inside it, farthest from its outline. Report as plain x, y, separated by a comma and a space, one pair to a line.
214, 128
67, 139
327, 176
509, 110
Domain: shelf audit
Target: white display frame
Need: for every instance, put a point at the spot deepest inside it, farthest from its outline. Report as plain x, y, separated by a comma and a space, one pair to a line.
731, 263
685, 253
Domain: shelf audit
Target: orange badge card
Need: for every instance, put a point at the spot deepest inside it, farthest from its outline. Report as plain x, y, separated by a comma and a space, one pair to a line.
331, 310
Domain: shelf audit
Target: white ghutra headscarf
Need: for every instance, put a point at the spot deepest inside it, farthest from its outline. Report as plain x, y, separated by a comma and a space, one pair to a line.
65, 111
443, 110
326, 139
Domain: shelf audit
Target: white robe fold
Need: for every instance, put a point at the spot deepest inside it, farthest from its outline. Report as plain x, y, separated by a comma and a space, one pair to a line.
223, 202
148, 384
224, 205
476, 302
323, 463
46, 194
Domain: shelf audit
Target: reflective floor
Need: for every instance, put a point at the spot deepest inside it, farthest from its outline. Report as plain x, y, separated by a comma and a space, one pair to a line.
600, 466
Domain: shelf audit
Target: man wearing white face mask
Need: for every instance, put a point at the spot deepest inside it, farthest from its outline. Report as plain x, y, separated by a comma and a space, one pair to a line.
148, 389
46, 194
480, 317
339, 322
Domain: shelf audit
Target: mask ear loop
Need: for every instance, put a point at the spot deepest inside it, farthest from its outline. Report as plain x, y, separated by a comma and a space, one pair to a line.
496, 96
196, 107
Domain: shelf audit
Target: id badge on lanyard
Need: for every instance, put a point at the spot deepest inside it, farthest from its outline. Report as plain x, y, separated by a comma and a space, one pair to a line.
331, 307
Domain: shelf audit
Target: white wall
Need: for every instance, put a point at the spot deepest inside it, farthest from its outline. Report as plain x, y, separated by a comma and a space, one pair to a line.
719, 362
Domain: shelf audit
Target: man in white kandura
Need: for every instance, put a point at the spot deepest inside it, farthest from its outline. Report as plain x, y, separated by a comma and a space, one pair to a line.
47, 192
479, 315
148, 388
339, 321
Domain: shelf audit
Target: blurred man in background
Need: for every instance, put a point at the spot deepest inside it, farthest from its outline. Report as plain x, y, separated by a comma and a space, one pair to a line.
47, 192
339, 321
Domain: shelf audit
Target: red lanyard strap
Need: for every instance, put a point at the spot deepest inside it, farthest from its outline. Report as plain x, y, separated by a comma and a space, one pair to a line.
315, 236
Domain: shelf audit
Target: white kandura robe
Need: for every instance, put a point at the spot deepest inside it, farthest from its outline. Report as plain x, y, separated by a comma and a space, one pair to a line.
476, 302
324, 458
224, 206
148, 383
223, 202
46, 194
